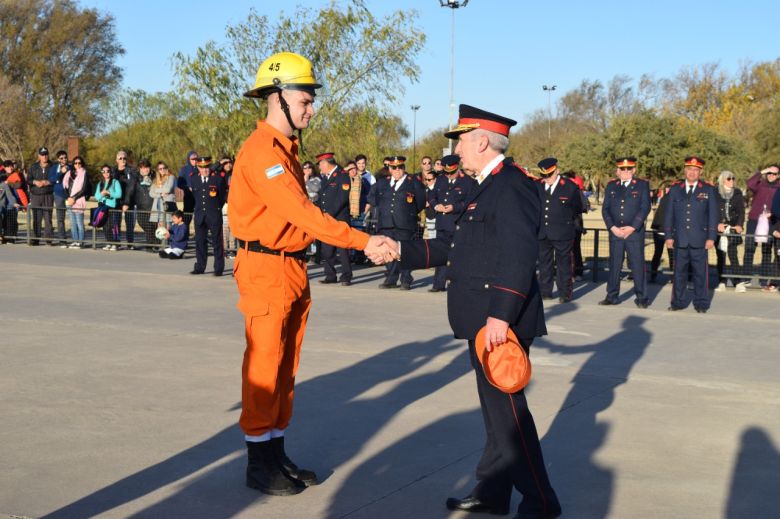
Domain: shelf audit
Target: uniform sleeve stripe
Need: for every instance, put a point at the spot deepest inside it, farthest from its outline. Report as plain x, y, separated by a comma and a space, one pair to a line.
510, 290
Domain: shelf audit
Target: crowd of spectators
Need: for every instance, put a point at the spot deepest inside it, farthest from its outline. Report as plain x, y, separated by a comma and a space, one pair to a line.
59, 191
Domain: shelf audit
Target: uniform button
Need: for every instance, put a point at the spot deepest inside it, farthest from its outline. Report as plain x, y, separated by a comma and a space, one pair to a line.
471, 218
452, 245
546, 208
457, 227
449, 263
487, 286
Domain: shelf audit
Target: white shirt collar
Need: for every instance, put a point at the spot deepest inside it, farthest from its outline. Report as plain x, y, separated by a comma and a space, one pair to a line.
490, 167
555, 184
688, 186
397, 182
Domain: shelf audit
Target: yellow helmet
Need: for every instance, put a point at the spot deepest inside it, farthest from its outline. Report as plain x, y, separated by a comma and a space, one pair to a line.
284, 70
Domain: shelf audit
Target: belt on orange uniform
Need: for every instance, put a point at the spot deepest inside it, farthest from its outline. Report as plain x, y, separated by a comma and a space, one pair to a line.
256, 246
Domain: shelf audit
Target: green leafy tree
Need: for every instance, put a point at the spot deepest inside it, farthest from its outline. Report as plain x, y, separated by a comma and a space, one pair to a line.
63, 58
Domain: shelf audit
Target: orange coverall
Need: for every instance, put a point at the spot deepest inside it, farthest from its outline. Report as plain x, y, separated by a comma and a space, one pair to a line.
268, 203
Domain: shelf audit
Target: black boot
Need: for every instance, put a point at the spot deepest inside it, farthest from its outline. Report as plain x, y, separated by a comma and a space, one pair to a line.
307, 477
265, 474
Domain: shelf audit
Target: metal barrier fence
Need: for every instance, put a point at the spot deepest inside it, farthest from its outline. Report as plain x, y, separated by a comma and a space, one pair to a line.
34, 225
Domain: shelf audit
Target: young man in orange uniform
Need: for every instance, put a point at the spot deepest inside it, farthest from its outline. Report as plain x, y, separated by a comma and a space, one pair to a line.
274, 222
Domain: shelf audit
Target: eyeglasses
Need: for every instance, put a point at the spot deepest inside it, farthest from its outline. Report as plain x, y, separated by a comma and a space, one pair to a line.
395, 167
772, 173
193, 158
430, 179
306, 167
546, 175
625, 169
729, 178
106, 172
121, 158
426, 163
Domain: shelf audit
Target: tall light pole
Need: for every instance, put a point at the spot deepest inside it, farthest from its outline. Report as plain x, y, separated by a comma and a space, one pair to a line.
549, 89
414, 135
452, 4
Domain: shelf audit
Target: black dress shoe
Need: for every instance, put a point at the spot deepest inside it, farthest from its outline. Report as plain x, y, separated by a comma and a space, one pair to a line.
387, 285
607, 302
673, 308
327, 281
217, 274
472, 504
564, 299
195, 272
701, 309
346, 283
435, 290
163, 254
406, 286
641, 303
547, 297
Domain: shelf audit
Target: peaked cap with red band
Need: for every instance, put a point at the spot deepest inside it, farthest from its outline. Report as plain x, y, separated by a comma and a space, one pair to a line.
450, 163
694, 161
203, 162
396, 160
626, 162
471, 118
325, 156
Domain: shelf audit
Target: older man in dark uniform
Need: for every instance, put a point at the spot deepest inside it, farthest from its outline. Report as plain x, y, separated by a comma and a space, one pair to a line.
625, 209
398, 199
447, 199
492, 273
208, 189
691, 226
334, 200
562, 203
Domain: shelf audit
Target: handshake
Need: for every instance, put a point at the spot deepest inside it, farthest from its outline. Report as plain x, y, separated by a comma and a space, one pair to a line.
381, 249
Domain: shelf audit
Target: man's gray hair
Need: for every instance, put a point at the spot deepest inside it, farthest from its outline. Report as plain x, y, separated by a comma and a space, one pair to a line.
496, 141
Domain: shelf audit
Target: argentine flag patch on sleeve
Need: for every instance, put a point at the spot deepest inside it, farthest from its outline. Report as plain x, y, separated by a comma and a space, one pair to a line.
274, 171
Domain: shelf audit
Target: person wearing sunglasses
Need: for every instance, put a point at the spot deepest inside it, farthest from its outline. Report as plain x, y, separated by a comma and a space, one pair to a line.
762, 185
625, 209
398, 199
128, 178
561, 204
731, 221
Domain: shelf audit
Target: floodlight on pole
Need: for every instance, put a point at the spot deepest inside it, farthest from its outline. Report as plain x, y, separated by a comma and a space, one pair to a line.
414, 135
453, 5
549, 89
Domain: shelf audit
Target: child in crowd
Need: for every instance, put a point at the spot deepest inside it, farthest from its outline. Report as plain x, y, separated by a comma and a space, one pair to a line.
177, 235
8, 207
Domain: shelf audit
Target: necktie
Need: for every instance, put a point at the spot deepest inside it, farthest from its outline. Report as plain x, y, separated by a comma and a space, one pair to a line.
548, 188
392, 185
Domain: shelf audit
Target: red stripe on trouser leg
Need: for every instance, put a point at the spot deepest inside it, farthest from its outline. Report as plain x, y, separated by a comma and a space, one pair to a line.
528, 455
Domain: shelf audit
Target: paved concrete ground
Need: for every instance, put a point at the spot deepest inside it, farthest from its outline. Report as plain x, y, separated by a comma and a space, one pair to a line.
119, 396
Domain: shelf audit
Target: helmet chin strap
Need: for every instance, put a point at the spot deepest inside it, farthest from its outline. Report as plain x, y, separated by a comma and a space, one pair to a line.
286, 109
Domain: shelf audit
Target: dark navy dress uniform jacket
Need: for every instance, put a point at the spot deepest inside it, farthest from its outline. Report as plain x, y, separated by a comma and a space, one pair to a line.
334, 195
492, 258
626, 205
559, 210
397, 209
691, 220
455, 195
209, 199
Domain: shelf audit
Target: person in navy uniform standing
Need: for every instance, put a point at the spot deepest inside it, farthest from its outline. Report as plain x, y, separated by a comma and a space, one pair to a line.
625, 209
447, 200
208, 190
334, 200
562, 204
691, 226
398, 199
492, 273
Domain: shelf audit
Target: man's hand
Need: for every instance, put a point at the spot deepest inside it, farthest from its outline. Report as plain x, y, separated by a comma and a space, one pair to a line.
627, 231
439, 208
709, 244
670, 243
738, 228
616, 231
721, 227
495, 332
125, 208
381, 249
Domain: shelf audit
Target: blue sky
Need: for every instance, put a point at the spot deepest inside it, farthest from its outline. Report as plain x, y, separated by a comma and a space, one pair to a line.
505, 49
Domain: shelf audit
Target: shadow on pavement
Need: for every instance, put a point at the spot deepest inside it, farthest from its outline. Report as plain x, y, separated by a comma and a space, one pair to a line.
754, 483
332, 423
